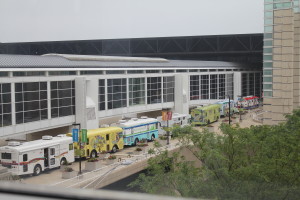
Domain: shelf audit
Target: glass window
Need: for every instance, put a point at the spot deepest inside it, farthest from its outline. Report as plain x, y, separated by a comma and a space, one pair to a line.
268, 79
101, 93
135, 71
268, 64
268, 57
3, 74
61, 73
154, 90
5, 104
168, 87
71, 147
116, 93
25, 157
268, 93
268, 72
6, 156
152, 71
194, 87
91, 72
268, 86
268, 35
136, 91
62, 98
222, 86
268, 21
52, 151
193, 70
167, 71
268, 50
268, 6
181, 70
268, 29
268, 43
214, 86
204, 87
245, 84
115, 72
31, 101
34, 73
269, 14
258, 84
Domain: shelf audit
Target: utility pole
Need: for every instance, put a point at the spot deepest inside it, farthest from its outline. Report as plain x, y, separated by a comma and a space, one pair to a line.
229, 109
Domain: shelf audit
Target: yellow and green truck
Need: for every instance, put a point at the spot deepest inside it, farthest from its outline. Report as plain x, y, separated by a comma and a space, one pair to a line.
205, 115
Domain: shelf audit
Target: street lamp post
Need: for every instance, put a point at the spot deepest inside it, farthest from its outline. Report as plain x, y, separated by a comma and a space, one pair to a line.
79, 141
229, 109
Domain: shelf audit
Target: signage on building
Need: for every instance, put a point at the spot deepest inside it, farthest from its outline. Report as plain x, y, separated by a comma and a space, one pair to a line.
166, 115
84, 135
75, 134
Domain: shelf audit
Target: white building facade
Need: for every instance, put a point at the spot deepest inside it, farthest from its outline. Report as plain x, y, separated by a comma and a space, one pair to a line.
39, 93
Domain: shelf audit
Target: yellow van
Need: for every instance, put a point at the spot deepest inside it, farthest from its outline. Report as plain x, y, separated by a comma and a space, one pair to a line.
99, 140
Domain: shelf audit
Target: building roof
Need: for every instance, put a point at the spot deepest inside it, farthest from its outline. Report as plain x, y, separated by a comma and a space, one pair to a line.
82, 61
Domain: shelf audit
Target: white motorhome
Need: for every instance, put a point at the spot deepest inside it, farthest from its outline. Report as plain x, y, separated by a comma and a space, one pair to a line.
177, 119
37, 156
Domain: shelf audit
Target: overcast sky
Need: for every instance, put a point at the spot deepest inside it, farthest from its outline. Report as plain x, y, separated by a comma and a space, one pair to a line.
53, 20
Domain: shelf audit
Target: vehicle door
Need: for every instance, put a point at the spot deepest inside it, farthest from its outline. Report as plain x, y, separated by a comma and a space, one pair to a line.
53, 156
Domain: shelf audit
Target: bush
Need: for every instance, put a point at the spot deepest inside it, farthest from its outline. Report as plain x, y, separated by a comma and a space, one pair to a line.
93, 160
68, 169
111, 157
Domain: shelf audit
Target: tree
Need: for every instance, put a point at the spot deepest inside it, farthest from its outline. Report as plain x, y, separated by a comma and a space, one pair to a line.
260, 162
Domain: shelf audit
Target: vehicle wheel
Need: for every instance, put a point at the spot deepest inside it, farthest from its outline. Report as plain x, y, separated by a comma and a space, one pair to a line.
63, 161
93, 154
114, 149
135, 142
152, 137
37, 170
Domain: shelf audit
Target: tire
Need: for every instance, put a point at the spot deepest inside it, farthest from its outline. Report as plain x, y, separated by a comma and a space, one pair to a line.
93, 154
114, 149
135, 142
152, 137
37, 170
62, 161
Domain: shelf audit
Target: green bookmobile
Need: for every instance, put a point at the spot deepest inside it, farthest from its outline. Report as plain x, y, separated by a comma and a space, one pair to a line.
205, 115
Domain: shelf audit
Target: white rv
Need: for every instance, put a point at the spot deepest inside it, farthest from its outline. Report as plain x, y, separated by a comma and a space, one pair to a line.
36, 156
177, 119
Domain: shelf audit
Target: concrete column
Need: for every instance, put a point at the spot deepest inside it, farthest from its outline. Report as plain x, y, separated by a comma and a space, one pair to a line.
181, 93
92, 88
237, 85
80, 101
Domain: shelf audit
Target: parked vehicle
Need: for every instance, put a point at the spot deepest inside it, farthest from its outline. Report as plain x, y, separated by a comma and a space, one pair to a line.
108, 139
248, 102
135, 130
37, 156
205, 115
177, 119
224, 109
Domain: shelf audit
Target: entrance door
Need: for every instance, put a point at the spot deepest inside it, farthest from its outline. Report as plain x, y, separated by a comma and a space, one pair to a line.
53, 156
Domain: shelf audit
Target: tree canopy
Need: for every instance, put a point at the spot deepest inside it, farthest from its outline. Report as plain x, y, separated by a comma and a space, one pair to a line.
260, 162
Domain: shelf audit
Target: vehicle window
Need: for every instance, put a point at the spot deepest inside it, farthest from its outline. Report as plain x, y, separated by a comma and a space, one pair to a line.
71, 147
25, 157
107, 137
6, 155
52, 151
52, 161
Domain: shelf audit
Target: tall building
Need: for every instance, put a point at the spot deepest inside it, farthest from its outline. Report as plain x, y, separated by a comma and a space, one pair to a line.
281, 74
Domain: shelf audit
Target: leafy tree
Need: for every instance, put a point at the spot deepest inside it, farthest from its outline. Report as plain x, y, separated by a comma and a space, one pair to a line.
260, 162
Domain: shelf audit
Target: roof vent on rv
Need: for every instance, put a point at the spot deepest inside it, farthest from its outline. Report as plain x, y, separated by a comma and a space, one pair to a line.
61, 135
14, 143
47, 137
134, 119
122, 121
144, 117
104, 126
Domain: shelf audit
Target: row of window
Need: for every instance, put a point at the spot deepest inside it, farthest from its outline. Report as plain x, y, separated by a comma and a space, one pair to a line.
214, 86
117, 91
